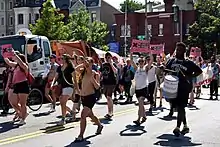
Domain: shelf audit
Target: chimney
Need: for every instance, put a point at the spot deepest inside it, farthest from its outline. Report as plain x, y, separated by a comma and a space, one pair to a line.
168, 5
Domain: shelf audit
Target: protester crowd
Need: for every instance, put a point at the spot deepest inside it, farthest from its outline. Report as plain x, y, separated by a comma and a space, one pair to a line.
81, 80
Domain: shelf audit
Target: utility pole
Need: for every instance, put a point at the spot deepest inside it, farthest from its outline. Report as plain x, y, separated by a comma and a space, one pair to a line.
146, 22
125, 28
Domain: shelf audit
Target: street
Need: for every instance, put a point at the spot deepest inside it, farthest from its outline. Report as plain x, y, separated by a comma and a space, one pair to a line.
41, 129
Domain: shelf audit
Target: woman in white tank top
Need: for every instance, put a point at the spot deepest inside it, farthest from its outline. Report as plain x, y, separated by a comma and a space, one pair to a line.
141, 84
152, 81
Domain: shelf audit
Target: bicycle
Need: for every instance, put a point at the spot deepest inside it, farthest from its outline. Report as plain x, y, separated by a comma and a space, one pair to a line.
34, 101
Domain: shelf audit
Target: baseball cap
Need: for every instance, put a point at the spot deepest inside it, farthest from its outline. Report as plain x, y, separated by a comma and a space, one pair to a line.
53, 56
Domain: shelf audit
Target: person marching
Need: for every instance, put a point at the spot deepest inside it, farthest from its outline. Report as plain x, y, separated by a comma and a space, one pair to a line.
49, 76
141, 87
65, 76
108, 74
185, 70
90, 82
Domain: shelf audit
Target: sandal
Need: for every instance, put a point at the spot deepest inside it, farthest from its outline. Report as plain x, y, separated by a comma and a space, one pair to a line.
107, 116
143, 120
79, 139
99, 130
136, 122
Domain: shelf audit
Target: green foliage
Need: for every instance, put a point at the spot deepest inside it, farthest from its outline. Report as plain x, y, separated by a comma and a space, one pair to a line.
132, 6
79, 26
50, 23
205, 32
83, 29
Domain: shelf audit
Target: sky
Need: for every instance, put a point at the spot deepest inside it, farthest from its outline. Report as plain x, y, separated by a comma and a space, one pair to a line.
116, 3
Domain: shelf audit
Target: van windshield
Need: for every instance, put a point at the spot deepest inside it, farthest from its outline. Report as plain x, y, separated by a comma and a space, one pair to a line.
17, 43
34, 52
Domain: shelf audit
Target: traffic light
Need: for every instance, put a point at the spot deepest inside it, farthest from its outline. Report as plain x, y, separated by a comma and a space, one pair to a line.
176, 13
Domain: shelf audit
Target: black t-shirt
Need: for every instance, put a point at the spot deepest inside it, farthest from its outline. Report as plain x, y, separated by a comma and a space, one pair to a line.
67, 73
109, 77
184, 70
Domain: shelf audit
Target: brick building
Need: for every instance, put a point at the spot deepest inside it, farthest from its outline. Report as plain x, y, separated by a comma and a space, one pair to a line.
164, 26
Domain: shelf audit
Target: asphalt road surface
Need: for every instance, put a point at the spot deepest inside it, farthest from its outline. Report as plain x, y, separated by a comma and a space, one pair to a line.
41, 129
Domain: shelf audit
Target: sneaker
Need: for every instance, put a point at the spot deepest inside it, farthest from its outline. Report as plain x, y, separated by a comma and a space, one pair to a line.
176, 132
21, 122
121, 97
185, 130
61, 123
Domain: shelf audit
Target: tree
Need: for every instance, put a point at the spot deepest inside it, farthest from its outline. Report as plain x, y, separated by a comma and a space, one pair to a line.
132, 6
205, 32
50, 23
83, 29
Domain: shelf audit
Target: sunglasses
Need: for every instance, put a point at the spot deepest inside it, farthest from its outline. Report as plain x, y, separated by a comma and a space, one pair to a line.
141, 61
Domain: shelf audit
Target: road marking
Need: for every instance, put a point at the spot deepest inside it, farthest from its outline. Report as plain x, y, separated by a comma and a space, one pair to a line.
52, 129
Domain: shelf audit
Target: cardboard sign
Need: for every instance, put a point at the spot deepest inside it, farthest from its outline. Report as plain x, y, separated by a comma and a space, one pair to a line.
195, 52
157, 49
7, 51
141, 46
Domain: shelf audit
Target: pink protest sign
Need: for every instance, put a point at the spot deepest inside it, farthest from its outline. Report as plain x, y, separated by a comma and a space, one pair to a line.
196, 52
7, 51
157, 49
142, 46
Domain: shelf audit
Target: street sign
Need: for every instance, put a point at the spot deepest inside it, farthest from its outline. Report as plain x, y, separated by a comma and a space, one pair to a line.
141, 37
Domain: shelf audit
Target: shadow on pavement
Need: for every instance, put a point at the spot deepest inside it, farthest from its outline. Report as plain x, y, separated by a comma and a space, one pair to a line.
41, 114
7, 126
84, 143
172, 141
168, 118
133, 130
193, 107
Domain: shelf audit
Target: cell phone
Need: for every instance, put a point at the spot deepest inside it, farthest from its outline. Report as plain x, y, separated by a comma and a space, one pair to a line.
7, 51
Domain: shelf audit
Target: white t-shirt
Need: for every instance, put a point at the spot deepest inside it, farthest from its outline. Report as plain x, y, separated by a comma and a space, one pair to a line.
140, 77
152, 75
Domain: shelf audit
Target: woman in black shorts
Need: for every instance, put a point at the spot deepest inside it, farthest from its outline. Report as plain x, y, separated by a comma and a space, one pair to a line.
20, 82
90, 82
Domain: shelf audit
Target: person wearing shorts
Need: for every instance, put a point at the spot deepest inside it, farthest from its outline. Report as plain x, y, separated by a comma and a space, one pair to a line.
90, 82
109, 80
65, 76
20, 85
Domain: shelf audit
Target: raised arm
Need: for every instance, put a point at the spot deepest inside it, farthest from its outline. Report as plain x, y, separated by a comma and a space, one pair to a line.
10, 63
132, 62
23, 65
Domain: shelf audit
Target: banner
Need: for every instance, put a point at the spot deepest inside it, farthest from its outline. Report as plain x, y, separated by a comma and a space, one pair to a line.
195, 52
7, 51
157, 49
141, 46
205, 78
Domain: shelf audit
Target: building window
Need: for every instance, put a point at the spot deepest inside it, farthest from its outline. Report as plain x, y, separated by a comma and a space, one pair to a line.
11, 20
20, 19
10, 5
187, 29
37, 16
93, 16
29, 18
11, 33
128, 31
37, 1
150, 29
160, 29
3, 34
177, 29
2, 6
2, 21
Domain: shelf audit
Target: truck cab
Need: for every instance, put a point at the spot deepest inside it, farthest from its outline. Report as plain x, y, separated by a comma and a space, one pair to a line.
36, 49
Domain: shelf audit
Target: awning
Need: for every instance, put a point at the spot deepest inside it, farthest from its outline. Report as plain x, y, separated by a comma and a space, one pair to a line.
99, 52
